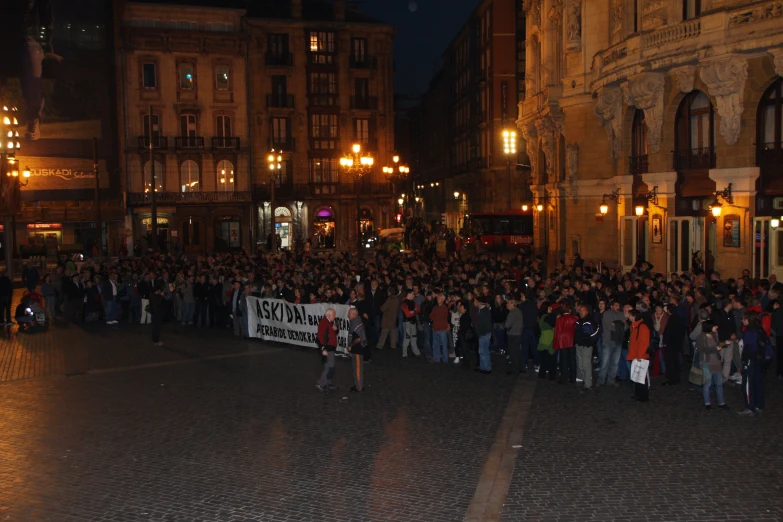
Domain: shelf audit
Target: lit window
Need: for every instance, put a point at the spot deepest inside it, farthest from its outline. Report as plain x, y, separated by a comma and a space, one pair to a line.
186, 76
222, 82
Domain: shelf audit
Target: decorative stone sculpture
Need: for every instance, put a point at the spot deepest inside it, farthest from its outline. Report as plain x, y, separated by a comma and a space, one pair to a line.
645, 91
572, 160
574, 26
725, 80
684, 76
609, 107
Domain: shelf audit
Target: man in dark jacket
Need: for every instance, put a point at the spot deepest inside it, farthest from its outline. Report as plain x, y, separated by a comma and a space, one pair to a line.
6, 293
375, 298
156, 313
483, 333
529, 341
585, 337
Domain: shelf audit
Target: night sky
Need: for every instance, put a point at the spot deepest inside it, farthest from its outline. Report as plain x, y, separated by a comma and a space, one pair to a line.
424, 29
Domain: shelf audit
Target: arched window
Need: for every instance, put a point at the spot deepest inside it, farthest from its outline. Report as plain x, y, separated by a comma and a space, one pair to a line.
188, 176
225, 176
638, 143
695, 133
159, 177
770, 125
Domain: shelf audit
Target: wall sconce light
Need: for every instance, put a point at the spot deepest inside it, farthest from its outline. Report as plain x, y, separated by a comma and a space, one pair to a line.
400, 201
540, 207
456, 194
614, 196
639, 210
652, 195
774, 222
716, 206
524, 208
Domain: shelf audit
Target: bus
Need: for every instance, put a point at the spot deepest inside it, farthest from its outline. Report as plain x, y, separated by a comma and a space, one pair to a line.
500, 230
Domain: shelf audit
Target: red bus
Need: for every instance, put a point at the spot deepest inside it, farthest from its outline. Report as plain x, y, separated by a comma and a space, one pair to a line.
510, 229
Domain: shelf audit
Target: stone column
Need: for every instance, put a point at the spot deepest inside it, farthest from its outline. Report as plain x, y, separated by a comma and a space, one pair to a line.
666, 182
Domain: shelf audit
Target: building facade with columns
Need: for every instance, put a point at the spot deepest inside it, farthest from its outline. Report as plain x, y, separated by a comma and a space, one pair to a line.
653, 128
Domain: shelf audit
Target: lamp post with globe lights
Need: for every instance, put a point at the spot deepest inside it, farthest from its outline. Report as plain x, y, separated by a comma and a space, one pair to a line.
275, 161
9, 177
357, 164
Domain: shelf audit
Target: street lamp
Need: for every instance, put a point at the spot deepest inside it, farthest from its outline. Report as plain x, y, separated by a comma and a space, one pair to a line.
613, 196
8, 163
509, 150
275, 163
357, 164
716, 206
456, 194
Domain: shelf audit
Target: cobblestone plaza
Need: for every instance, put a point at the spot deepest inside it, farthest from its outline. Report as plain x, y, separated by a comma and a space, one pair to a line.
97, 424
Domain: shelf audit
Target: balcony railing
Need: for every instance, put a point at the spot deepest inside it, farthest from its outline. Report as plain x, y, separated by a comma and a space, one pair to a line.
279, 59
693, 159
225, 143
158, 142
188, 142
144, 198
368, 103
323, 100
363, 62
638, 164
321, 58
318, 189
771, 154
280, 101
286, 144
675, 33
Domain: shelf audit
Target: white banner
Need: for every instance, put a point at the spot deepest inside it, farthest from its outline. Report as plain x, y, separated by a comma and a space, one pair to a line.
283, 322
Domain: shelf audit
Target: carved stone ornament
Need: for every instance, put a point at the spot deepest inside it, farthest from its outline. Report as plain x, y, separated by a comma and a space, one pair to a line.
684, 76
777, 60
654, 14
646, 92
531, 143
533, 10
609, 107
572, 160
616, 20
574, 25
546, 131
725, 80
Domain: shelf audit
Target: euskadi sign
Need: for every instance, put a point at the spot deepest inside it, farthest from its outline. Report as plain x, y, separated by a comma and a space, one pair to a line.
283, 322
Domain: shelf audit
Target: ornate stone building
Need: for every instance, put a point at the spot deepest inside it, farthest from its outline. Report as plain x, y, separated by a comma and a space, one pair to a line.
669, 113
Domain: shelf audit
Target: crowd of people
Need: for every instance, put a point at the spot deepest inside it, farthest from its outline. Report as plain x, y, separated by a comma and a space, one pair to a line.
576, 323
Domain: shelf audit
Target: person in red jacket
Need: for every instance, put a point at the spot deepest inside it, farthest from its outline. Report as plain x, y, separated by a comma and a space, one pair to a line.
637, 349
327, 342
564, 342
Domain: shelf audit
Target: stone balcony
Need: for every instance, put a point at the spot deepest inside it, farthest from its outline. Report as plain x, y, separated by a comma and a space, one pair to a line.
726, 31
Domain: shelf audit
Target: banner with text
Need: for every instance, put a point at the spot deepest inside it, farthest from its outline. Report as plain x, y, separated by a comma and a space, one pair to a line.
284, 322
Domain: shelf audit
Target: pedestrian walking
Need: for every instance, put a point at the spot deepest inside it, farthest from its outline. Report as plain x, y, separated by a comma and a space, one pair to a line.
327, 342
357, 347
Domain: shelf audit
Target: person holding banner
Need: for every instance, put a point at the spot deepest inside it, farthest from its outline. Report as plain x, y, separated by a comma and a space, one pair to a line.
327, 342
357, 347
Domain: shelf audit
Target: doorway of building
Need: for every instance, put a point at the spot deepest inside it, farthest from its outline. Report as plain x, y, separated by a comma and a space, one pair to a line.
366, 225
323, 228
192, 236
284, 226
163, 232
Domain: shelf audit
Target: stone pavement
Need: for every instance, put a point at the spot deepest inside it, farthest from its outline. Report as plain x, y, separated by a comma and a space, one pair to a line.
98, 424
601, 456
244, 438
